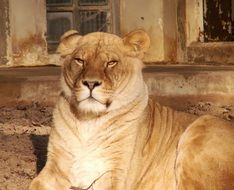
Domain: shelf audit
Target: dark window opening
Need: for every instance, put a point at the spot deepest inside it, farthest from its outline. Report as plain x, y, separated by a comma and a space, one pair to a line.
91, 21
93, 2
83, 15
218, 20
56, 2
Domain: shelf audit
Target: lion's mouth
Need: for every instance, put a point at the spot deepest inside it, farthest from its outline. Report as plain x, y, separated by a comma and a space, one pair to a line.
92, 100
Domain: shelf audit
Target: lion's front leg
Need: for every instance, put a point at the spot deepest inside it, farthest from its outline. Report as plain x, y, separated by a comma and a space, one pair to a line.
40, 184
48, 179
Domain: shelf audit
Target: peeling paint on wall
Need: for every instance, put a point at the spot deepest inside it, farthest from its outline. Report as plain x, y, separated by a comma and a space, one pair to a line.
160, 23
27, 41
29, 51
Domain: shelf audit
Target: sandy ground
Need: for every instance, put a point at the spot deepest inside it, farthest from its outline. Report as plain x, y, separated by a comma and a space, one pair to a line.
18, 160
24, 130
23, 140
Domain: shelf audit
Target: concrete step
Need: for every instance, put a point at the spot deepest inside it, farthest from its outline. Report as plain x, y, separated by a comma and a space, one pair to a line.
40, 84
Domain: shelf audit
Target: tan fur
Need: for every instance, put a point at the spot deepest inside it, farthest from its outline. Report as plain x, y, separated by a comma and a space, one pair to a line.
121, 139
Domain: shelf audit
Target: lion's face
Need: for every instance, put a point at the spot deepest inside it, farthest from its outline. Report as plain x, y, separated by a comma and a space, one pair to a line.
101, 71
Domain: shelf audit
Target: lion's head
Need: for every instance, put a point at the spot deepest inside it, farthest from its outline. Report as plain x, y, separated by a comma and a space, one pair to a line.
101, 71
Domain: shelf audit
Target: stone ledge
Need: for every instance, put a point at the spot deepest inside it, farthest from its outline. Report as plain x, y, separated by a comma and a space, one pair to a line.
211, 52
42, 83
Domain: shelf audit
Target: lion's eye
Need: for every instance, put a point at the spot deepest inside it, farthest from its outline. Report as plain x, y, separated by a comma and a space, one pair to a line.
79, 61
111, 63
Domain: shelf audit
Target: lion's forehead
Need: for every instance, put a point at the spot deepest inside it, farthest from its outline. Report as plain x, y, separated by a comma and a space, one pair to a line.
99, 54
99, 39
99, 49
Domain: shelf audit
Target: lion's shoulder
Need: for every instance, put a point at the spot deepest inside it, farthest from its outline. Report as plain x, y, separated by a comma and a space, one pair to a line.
180, 118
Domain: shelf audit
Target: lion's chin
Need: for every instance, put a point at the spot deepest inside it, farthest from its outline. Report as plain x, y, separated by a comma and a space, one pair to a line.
92, 106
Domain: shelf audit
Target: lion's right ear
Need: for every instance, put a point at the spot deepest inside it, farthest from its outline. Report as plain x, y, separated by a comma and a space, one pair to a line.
68, 42
137, 43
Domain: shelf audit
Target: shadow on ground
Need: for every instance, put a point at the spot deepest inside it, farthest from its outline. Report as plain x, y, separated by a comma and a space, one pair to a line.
40, 143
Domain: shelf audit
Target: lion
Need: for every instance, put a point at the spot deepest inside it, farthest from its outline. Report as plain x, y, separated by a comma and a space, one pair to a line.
109, 134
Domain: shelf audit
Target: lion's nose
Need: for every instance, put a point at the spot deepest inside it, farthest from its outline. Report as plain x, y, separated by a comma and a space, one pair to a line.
91, 84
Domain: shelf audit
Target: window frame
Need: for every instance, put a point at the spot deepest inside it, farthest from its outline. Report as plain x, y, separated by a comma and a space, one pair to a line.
74, 7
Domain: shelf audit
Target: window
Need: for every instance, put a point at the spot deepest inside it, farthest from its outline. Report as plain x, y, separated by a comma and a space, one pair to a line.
83, 15
218, 20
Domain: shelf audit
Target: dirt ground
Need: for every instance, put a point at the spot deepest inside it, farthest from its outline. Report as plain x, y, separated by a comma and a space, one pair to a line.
24, 130
23, 140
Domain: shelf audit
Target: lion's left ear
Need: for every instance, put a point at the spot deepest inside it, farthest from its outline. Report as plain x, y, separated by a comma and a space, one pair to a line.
137, 43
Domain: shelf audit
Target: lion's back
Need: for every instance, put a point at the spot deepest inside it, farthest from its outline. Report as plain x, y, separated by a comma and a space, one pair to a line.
205, 157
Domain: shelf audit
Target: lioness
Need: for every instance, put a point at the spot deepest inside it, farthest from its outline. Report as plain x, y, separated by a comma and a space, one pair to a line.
109, 134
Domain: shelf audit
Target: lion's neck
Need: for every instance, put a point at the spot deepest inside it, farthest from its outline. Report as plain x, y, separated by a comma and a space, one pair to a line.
98, 141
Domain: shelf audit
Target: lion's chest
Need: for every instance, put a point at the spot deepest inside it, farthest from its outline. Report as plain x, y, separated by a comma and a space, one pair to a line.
87, 166
89, 161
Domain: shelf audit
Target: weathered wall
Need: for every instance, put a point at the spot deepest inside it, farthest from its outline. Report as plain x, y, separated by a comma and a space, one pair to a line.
194, 21
176, 31
198, 52
27, 44
181, 32
170, 30
4, 24
175, 28
159, 19
211, 53
137, 14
